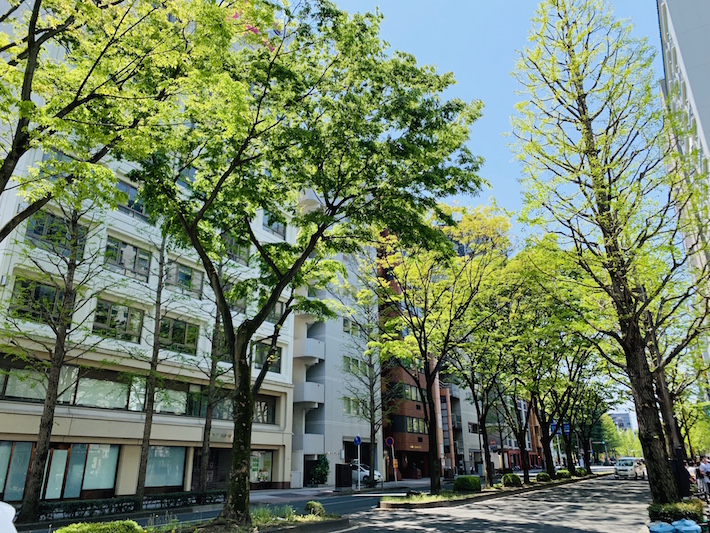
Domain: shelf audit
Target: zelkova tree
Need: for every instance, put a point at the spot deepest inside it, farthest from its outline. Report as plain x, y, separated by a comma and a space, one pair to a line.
425, 296
312, 131
598, 171
367, 384
46, 324
78, 78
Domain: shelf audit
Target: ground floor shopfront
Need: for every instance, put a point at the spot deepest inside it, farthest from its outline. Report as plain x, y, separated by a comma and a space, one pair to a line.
95, 453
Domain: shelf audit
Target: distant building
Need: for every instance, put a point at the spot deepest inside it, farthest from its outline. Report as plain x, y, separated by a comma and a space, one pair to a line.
622, 420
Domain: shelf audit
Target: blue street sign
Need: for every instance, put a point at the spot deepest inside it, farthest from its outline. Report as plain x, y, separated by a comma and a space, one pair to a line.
357, 440
389, 441
565, 428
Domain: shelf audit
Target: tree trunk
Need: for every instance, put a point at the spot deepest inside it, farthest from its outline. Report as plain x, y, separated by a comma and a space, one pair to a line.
373, 435
525, 459
236, 505
660, 477
670, 422
152, 379
546, 440
217, 348
29, 511
30, 503
487, 470
434, 465
569, 453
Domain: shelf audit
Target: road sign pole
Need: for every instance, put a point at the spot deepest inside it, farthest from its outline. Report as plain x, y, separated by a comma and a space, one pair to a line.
359, 468
394, 470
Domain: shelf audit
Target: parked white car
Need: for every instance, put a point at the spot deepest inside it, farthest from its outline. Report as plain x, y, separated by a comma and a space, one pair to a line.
7, 514
364, 473
630, 468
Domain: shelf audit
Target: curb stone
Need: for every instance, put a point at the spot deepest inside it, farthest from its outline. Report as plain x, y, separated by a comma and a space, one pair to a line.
485, 496
326, 526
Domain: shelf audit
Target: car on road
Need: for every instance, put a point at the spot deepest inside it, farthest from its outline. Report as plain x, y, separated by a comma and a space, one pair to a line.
630, 468
364, 473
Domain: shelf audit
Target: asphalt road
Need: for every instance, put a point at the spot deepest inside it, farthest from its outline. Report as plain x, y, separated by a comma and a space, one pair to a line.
604, 505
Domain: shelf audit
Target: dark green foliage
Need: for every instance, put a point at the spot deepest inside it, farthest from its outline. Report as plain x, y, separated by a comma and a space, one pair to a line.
563, 474
467, 484
122, 526
543, 477
315, 508
670, 512
321, 470
511, 480
580, 472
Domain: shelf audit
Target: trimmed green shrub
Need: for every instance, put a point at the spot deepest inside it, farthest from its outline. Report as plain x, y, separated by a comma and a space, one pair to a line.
580, 472
320, 471
563, 473
512, 480
121, 526
543, 477
670, 512
315, 508
467, 484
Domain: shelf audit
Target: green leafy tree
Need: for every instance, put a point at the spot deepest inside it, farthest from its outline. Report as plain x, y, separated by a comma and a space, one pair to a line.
315, 130
54, 288
425, 296
600, 172
77, 78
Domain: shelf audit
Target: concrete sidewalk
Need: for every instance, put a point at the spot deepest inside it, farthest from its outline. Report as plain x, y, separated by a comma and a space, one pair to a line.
199, 513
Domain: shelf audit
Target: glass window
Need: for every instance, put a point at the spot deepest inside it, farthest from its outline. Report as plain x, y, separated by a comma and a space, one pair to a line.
261, 465
26, 384
265, 409
67, 384
5, 451
236, 252
54, 234
75, 473
166, 466
223, 409
171, 401
32, 300
132, 205
17, 473
273, 225
101, 393
261, 352
187, 278
136, 396
127, 259
101, 463
118, 321
276, 313
54, 476
179, 336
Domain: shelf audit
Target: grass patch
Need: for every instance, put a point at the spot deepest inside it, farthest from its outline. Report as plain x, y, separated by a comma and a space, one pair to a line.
263, 518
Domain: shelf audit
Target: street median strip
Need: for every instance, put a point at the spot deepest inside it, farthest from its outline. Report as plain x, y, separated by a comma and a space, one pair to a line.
486, 495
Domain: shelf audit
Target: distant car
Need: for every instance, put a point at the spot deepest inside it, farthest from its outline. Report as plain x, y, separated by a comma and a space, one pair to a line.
364, 473
630, 467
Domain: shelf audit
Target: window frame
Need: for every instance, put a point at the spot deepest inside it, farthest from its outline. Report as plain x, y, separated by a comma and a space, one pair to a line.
177, 346
113, 332
129, 208
273, 226
260, 358
117, 264
23, 309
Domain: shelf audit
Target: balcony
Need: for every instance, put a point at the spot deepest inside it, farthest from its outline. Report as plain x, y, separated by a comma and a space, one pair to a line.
309, 351
309, 443
309, 393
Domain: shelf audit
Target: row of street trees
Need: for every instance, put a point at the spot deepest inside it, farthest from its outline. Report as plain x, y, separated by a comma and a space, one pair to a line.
227, 110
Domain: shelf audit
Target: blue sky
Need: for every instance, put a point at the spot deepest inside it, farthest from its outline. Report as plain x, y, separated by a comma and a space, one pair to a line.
477, 40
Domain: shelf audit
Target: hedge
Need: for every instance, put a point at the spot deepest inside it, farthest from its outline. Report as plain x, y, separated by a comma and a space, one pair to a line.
122, 526
580, 472
670, 512
511, 480
52, 510
563, 473
467, 484
543, 477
